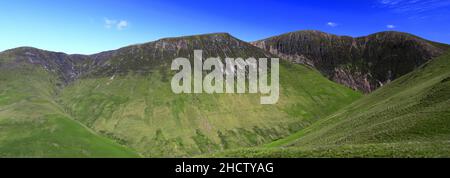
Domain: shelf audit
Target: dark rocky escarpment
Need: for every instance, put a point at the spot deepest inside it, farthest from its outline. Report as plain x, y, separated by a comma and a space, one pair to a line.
363, 63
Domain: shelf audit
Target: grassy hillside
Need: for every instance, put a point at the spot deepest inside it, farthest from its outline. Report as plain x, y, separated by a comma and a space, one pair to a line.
108, 104
33, 125
141, 112
434, 149
410, 117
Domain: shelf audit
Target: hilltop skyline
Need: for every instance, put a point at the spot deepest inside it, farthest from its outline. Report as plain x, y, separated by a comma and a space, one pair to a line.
86, 27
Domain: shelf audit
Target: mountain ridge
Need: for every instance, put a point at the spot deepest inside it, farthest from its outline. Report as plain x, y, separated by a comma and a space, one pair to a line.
370, 61
364, 63
72, 66
125, 97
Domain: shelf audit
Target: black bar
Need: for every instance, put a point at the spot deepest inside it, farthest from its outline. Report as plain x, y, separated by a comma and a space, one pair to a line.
270, 167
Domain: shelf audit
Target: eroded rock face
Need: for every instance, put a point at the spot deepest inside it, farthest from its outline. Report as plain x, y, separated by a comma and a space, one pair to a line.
363, 63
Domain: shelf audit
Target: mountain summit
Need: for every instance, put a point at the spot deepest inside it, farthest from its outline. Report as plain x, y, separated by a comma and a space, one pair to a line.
363, 63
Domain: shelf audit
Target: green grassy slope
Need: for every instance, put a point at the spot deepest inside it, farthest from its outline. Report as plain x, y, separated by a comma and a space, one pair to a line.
33, 125
434, 149
122, 99
141, 112
409, 117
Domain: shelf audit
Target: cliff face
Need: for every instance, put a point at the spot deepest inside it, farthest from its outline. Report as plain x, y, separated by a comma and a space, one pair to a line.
363, 63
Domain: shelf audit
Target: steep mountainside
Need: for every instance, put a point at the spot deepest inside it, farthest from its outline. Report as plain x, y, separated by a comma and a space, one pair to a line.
364, 63
32, 124
66, 67
159, 54
409, 117
124, 98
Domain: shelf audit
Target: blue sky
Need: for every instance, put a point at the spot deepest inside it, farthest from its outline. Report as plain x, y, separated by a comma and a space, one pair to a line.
90, 26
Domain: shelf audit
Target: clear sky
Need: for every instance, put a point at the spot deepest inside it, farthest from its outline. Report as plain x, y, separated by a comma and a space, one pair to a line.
90, 26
